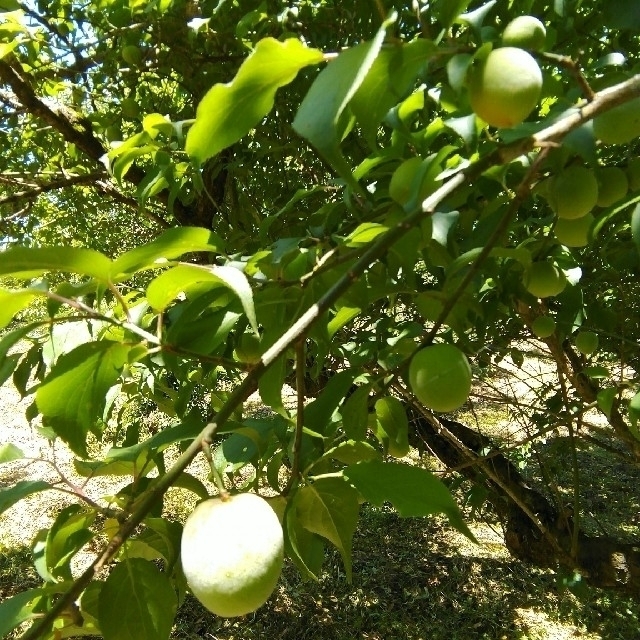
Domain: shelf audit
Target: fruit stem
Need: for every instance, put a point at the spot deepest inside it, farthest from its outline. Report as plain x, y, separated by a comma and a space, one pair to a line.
217, 478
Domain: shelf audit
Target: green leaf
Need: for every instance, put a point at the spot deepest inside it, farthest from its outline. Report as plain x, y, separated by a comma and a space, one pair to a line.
317, 414
634, 415
68, 534
229, 111
72, 397
392, 427
323, 114
329, 508
26, 262
605, 400
635, 226
305, 548
190, 483
160, 539
411, 490
10, 495
137, 602
12, 302
270, 386
18, 609
448, 10
353, 451
391, 77
9, 452
355, 413
364, 234
163, 289
172, 244
342, 317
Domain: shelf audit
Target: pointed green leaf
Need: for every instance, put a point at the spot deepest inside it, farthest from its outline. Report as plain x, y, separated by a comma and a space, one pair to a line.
163, 289
352, 452
317, 414
411, 490
18, 609
634, 414
305, 548
27, 262
270, 386
9, 452
391, 77
12, 302
10, 495
605, 400
137, 602
68, 534
72, 397
323, 114
355, 413
392, 427
448, 10
635, 226
329, 507
168, 246
229, 111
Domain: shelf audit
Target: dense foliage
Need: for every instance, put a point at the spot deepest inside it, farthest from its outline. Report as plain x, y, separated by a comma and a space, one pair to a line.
204, 199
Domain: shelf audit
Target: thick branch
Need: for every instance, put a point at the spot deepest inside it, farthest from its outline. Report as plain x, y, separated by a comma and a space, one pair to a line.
29, 194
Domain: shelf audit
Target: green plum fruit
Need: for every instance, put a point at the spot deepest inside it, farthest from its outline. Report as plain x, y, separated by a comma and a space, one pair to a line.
574, 233
232, 552
440, 377
613, 185
620, 124
573, 192
504, 88
526, 32
543, 326
586, 342
544, 279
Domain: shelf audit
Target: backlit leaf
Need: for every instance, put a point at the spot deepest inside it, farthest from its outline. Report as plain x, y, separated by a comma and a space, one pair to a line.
72, 396
323, 115
229, 111
30, 262
168, 246
10, 495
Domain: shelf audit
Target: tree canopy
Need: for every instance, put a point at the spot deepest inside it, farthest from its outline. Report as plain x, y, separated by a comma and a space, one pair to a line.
217, 197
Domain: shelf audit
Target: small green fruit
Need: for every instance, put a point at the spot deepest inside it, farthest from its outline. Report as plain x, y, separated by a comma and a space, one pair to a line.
504, 88
613, 185
544, 279
573, 192
526, 32
620, 124
131, 55
633, 174
248, 349
543, 326
440, 377
403, 183
232, 553
574, 233
586, 342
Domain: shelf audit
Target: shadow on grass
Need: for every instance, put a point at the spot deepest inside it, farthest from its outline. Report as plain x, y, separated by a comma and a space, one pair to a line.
410, 582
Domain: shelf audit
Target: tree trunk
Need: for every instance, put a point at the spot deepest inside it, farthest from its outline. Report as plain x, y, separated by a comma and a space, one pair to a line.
534, 529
